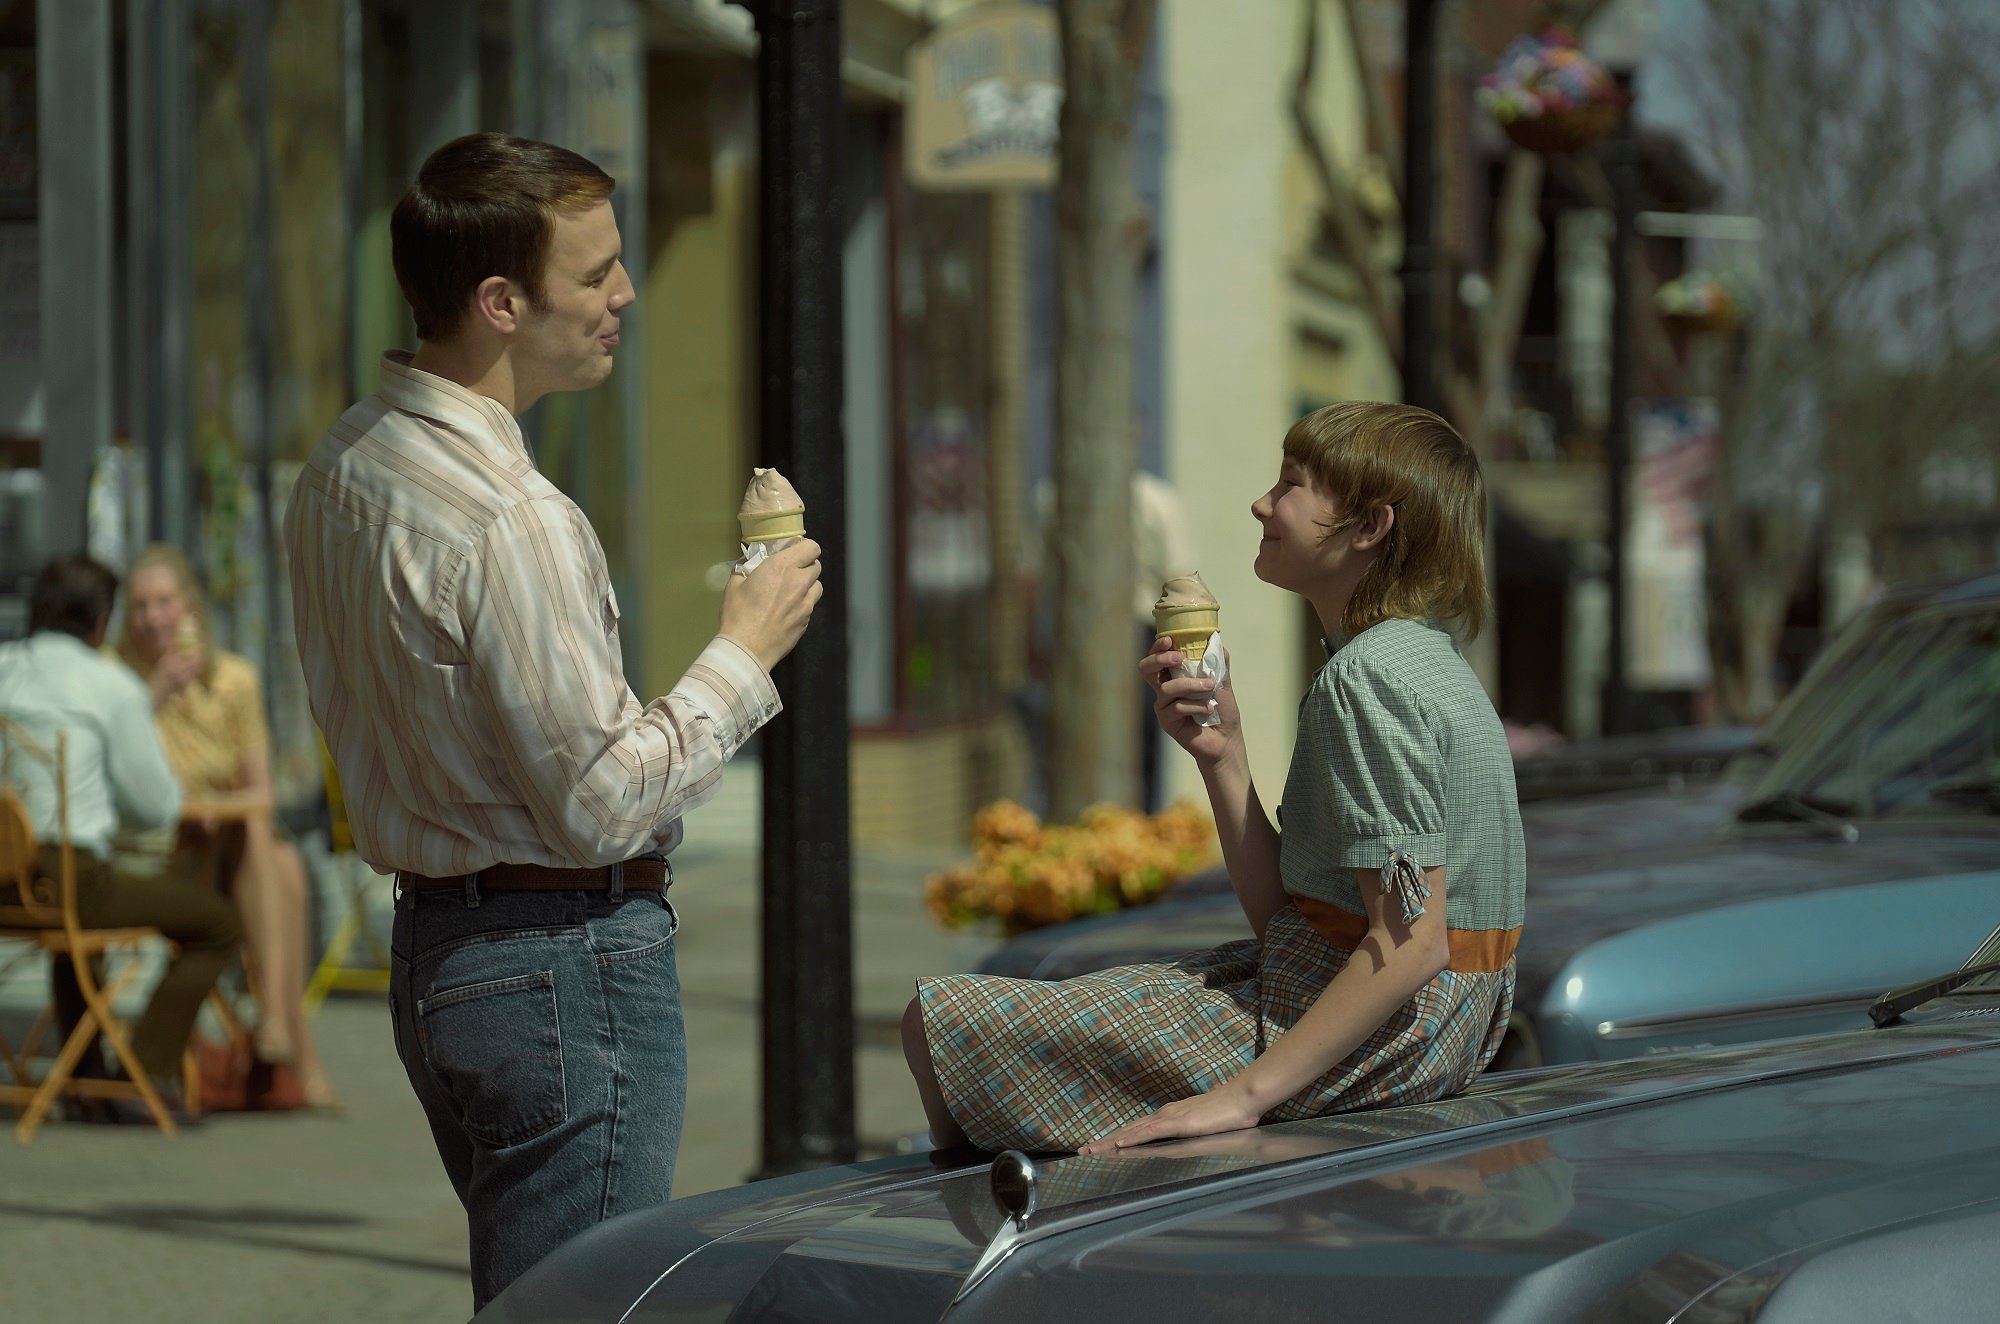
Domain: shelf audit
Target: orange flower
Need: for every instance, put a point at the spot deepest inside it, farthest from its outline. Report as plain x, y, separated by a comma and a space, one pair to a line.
1029, 874
1004, 823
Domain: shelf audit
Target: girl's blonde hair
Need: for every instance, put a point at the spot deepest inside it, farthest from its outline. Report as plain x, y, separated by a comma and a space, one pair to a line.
167, 557
1364, 454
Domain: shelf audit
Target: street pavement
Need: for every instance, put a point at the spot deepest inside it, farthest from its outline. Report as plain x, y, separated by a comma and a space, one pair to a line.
309, 1219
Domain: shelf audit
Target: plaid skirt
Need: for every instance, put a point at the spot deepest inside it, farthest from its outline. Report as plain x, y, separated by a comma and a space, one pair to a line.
1038, 1065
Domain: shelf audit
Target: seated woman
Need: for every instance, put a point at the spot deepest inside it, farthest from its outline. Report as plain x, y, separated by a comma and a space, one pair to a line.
209, 708
1387, 910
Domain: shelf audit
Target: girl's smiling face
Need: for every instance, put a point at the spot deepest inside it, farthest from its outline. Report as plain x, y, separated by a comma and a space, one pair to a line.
1296, 519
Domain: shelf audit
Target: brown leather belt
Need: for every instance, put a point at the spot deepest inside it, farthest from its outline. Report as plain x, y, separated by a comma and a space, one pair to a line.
642, 875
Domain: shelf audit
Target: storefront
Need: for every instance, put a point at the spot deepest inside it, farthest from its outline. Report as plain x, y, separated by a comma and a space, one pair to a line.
243, 240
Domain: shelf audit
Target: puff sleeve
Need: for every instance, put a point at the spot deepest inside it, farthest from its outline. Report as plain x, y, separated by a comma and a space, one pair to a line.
1384, 781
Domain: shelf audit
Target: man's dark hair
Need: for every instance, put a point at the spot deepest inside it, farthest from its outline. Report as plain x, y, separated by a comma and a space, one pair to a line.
484, 205
72, 594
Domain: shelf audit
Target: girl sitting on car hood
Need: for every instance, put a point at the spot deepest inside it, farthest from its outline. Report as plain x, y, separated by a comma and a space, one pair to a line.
1388, 902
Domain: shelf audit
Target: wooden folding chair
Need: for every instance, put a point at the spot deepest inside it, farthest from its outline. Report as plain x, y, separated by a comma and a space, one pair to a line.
43, 914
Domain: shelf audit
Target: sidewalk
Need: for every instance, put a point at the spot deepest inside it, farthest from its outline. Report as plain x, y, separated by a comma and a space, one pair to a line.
303, 1219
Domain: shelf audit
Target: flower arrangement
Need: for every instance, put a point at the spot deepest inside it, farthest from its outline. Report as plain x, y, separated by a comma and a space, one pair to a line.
1028, 874
1700, 301
1548, 96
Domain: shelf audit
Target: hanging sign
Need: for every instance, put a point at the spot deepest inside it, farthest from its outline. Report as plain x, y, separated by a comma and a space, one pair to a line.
985, 99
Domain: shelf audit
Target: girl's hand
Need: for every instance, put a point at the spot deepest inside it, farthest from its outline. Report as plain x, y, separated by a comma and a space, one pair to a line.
1179, 702
1221, 1109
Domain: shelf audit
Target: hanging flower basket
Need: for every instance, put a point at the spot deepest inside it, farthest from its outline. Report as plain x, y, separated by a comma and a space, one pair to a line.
1558, 132
1548, 97
1700, 303
1716, 323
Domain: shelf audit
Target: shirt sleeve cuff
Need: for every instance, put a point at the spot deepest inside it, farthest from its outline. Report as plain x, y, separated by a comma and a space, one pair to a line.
731, 686
1426, 848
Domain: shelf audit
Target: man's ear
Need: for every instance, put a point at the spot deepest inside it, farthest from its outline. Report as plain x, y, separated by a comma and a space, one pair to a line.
1373, 528
497, 303
97, 636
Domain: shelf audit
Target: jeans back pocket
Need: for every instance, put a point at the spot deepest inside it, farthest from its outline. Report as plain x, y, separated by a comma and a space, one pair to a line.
495, 1050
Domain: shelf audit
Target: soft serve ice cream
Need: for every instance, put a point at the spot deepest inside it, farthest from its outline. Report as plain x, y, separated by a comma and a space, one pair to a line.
1187, 613
772, 509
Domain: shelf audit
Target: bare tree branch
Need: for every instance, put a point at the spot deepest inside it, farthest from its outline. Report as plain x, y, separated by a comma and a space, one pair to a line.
1385, 137
1862, 137
1519, 240
1343, 209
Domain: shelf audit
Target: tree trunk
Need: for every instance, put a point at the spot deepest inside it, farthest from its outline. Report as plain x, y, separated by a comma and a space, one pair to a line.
1101, 231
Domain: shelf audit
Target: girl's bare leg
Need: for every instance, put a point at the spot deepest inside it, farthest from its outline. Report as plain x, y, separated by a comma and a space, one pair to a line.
945, 1132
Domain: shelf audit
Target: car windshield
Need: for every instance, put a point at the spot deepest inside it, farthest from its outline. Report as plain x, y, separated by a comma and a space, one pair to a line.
1847, 661
1904, 721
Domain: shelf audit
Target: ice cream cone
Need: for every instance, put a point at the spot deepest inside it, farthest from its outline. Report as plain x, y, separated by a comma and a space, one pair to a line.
1191, 641
772, 509
770, 528
1188, 614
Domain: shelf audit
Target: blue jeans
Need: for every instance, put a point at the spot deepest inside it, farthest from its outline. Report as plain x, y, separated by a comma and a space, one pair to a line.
542, 1033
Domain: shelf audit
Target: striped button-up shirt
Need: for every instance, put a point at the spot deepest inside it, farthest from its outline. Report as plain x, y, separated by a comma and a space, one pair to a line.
460, 640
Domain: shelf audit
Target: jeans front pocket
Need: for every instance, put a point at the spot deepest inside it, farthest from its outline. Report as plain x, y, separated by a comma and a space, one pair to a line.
495, 1050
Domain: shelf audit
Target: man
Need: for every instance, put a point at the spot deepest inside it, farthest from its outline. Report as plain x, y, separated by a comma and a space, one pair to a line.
460, 640
57, 682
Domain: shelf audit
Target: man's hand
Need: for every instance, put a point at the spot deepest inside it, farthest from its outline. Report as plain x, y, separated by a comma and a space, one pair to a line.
767, 610
174, 672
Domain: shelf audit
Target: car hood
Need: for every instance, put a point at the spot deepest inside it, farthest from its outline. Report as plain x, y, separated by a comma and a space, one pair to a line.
1609, 1180
1835, 944
1557, 831
1651, 758
1201, 911
1572, 903
1592, 899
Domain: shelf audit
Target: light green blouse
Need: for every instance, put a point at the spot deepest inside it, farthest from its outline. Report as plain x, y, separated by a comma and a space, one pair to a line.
1401, 765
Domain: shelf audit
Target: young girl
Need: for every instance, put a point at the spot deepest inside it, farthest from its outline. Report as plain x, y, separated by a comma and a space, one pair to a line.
1386, 910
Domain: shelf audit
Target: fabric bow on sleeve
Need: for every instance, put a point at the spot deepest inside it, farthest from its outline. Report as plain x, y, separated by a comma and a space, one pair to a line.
1402, 879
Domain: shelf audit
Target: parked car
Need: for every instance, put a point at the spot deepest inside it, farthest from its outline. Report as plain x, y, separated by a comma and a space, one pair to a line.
1637, 761
1863, 822
1834, 1179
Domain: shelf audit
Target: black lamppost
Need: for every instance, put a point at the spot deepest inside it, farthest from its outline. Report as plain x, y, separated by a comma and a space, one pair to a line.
808, 981
1621, 167
1420, 64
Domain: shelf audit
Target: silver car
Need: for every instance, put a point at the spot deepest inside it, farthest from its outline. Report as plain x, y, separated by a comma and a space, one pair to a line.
1848, 1178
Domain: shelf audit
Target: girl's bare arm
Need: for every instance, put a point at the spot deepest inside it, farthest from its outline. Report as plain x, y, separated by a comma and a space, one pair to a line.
1391, 964
1249, 842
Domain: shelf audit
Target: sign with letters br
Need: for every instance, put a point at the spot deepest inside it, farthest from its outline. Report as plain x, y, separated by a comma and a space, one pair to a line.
985, 98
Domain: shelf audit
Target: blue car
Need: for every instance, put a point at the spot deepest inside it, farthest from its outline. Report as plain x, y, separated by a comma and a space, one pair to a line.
1849, 848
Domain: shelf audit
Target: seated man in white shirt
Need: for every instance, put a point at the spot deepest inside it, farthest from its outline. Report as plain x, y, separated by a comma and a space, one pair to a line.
56, 682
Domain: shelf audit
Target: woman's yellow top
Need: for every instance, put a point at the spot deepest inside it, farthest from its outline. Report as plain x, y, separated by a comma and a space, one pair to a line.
211, 727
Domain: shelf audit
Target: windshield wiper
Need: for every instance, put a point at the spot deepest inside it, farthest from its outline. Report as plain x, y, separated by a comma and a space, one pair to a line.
1786, 807
1889, 1008
1978, 792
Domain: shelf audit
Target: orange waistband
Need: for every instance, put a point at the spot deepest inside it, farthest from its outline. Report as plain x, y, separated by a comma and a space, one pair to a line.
1473, 951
